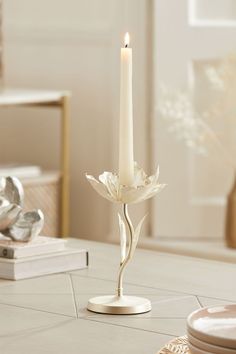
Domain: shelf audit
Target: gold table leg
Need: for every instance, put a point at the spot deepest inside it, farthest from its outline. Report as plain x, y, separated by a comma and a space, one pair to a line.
65, 108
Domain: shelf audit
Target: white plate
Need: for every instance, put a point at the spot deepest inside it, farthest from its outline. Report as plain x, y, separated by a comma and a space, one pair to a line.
215, 325
195, 350
209, 347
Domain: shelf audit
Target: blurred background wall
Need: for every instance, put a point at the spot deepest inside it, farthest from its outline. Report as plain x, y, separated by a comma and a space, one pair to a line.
189, 38
75, 45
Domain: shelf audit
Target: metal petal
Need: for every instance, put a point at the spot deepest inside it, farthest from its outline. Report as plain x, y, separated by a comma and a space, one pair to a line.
144, 187
156, 190
111, 182
100, 188
27, 227
135, 195
140, 176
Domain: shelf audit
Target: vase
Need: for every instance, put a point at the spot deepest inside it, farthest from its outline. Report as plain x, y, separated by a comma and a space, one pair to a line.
230, 222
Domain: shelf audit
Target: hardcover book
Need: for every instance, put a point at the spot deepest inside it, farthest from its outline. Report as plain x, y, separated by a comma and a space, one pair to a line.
39, 245
56, 262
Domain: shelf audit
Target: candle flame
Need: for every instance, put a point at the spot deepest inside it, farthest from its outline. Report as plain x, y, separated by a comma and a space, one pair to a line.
127, 39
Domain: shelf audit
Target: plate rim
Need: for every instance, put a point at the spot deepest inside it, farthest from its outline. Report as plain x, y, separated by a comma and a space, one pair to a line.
212, 346
210, 338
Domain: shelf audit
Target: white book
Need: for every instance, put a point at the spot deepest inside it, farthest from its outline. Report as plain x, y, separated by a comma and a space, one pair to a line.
20, 171
56, 262
39, 245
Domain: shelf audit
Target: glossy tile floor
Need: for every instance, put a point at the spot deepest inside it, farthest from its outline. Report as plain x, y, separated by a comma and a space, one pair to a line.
48, 314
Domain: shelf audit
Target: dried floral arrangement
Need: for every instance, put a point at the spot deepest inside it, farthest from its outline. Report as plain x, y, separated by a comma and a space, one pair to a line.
191, 125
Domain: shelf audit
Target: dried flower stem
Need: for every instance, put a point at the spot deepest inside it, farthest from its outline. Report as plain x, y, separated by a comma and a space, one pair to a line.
128, 256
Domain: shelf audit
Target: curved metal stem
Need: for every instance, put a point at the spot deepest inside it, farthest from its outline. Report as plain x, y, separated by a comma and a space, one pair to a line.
128, 256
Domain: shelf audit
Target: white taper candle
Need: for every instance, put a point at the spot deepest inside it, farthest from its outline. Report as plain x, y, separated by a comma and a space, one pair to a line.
126, 155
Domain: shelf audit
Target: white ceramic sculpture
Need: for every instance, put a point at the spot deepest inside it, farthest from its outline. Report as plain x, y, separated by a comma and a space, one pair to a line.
14, 223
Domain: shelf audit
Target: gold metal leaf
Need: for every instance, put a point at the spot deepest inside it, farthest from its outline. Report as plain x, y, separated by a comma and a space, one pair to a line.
137, 234
122, 239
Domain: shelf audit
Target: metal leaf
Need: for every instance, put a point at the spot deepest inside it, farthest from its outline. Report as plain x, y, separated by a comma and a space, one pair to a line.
136, 234
122, 239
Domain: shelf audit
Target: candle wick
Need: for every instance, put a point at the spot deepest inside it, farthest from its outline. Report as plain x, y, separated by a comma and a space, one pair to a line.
126, 46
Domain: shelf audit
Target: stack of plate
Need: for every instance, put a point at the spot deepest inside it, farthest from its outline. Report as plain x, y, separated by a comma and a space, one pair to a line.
212, 330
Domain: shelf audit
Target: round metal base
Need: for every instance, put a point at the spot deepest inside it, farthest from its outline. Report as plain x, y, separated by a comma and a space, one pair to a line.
119, 305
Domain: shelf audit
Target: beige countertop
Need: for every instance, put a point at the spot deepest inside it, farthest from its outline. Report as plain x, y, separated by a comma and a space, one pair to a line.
214, 249
48, 314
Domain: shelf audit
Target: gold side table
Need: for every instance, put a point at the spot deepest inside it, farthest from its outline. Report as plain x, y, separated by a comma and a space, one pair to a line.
56, 99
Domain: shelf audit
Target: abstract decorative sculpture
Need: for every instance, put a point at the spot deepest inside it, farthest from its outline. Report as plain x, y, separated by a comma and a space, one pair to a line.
14, 223
143, 188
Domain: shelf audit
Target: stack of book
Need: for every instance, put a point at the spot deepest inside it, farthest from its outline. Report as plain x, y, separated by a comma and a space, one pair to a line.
43, 255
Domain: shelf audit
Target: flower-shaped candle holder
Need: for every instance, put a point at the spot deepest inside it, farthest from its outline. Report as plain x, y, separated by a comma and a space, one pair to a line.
143, 188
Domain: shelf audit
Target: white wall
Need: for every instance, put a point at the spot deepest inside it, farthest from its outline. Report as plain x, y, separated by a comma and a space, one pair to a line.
74, 45
193, 204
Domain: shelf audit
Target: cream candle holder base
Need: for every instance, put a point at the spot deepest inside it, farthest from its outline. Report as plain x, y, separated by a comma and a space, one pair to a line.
119, 305
109, 187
